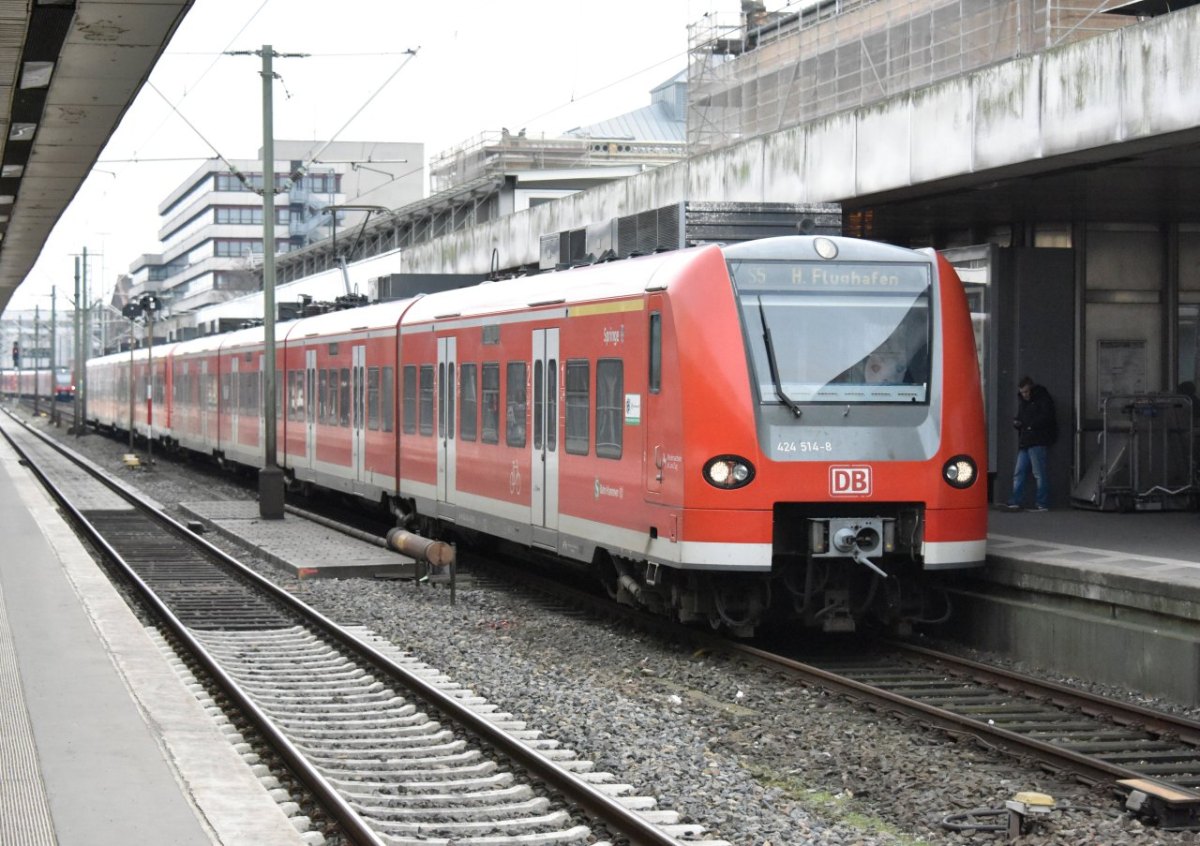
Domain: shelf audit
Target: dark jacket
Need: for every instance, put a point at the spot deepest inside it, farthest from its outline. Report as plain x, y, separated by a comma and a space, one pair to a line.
1035, 423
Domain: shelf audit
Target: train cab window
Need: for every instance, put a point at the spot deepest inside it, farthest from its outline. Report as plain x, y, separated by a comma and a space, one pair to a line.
578, 402
426, 397
515, 410
344, 398
489, 430
610, 407
373, 398
323, 396
655, 384
468, 412
389, 399
410, 399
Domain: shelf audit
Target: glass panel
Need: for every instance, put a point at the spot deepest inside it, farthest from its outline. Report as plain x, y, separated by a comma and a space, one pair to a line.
837, 332
469, 412
552, 406
373, 398
610, 407
578, 407
410, 399
389, 399
490, 426
539, 405
515, 411
426, 399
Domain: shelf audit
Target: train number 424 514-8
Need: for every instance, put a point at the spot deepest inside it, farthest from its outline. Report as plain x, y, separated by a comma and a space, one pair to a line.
803, 446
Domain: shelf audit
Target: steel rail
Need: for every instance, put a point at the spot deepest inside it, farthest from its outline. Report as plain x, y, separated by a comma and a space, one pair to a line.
606, 810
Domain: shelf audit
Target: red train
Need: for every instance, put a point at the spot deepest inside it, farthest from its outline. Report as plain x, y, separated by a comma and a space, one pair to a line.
57, 383
786, 426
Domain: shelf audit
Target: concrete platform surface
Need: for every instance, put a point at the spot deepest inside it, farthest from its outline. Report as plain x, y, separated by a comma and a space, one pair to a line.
101, 743
306, 549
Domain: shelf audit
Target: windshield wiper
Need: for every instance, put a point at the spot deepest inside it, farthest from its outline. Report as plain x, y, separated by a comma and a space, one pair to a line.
773, 364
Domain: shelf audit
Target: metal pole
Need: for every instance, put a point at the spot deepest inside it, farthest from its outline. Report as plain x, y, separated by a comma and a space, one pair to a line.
150, 387
75, 425
87, 342
132, 392
270, 478
54, 415
37, 341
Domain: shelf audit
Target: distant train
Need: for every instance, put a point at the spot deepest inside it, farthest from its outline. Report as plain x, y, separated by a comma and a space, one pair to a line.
14, 382
785, 428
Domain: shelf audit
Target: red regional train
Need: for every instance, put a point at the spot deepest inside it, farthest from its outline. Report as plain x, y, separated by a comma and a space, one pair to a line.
790, 427
14, 382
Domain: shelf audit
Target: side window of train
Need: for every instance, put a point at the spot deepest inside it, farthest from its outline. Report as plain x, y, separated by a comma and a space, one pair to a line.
344, 398
373, 398
468, 412
426, 399
410, 399
578, 402
514, 412
610, 407
389, 399
655, 352
322, 397
489, 430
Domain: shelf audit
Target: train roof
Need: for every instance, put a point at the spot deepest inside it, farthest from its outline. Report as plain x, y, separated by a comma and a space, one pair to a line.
376, 316
608, 280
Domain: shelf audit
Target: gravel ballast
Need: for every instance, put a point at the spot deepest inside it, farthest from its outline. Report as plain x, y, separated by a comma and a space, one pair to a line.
743, 752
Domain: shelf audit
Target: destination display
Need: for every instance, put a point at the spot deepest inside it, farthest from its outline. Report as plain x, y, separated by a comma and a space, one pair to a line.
829, 277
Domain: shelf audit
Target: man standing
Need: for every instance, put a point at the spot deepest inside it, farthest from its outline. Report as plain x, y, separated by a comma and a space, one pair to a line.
1036, 430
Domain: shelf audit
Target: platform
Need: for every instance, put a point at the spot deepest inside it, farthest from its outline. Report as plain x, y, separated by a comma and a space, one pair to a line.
305, 549
101, 743
1111, 597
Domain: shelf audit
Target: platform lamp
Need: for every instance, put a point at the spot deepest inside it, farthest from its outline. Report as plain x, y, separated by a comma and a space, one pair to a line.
131, 310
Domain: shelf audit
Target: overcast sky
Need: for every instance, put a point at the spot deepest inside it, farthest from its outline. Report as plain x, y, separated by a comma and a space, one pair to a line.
543, 65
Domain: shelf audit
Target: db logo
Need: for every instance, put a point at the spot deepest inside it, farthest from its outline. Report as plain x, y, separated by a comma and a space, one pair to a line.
850, 481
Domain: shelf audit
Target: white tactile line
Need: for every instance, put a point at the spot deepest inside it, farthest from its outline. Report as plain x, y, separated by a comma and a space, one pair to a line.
24, 811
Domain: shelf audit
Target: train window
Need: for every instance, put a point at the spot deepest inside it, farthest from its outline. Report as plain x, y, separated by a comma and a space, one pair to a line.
344, 398
450, 402
655, 352
489, 430
539, 405
356, 374
469, 410
426, 398
410, 399
515, 411
323, 396
610, 407
578, 403
552, 405
310, 394
389, 399
373, 398
441, 405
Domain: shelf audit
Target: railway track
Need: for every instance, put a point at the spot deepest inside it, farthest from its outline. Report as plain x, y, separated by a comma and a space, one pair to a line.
394, 751
1150, 757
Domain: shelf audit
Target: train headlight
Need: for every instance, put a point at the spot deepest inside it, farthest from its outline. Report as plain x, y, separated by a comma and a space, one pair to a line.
728, 472
959, 472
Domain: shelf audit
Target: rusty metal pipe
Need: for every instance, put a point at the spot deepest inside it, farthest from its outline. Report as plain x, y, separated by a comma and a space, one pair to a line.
434, 553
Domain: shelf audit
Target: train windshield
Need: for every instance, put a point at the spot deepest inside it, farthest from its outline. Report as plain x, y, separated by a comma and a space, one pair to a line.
836, 332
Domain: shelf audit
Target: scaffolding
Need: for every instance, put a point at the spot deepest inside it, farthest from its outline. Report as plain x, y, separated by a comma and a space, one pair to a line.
770, 71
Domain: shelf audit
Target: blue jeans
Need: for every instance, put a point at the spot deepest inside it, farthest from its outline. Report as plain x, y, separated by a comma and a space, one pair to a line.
1031, 458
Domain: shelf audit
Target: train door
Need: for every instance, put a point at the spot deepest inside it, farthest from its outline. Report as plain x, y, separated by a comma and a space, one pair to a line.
544, 465
447, 454
310, 402
654, 411
358, 425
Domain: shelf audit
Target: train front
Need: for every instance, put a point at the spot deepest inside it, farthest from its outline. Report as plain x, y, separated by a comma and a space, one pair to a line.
870, 424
